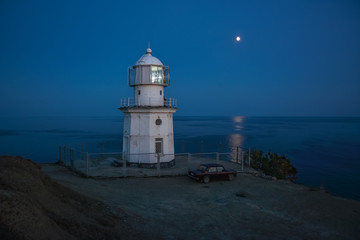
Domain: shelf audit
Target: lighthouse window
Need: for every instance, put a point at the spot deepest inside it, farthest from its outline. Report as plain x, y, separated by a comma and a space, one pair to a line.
157, 75
139, 92
158, 121
160, 92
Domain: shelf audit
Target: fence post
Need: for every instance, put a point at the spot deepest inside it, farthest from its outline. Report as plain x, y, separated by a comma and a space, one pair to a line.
124, 165
249, 158
60, 154
72, 158
87, 164
242, 161
158, 164
237, 154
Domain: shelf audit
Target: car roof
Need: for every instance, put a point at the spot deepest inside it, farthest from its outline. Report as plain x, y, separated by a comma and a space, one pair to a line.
211, 165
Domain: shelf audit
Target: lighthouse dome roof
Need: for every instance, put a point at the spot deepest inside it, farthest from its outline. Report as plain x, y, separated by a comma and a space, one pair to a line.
148, 59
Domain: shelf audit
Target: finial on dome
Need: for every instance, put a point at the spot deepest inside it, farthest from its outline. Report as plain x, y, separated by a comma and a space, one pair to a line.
148, 51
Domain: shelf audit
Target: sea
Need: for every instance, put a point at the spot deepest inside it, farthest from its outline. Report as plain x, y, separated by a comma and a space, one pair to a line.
325, 150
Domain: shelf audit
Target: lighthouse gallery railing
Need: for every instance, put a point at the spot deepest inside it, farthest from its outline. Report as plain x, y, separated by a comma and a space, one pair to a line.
131, 102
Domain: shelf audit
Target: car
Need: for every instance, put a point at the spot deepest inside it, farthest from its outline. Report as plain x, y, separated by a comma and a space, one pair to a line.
209, 171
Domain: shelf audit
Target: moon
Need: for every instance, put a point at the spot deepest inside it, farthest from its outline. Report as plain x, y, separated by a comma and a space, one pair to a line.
238, 39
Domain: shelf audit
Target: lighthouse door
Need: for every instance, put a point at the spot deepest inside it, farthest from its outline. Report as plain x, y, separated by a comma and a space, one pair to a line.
158, 145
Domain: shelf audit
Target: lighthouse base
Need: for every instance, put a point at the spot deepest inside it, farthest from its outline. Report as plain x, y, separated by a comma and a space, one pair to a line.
152, 165
148, 137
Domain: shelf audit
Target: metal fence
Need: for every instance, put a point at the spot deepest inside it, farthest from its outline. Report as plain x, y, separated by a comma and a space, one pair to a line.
113, 164
132, 102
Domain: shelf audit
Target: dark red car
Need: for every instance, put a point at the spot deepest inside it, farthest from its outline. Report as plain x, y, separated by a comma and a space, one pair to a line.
209, 171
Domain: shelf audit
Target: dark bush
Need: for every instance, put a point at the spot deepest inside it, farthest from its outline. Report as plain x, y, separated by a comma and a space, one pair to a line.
274, 165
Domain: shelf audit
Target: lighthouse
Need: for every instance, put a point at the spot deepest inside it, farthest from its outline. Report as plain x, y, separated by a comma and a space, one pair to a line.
148, 117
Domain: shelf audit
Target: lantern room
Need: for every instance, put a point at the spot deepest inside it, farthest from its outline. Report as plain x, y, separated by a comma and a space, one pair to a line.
148, 70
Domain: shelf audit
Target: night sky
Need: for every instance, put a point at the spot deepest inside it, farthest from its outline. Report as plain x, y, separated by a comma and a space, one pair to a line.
70, 58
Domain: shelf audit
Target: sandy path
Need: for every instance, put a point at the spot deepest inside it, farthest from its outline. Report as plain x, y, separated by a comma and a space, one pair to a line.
246, 208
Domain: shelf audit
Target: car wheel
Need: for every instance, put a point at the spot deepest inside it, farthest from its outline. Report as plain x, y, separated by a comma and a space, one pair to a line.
206, 179
231, 177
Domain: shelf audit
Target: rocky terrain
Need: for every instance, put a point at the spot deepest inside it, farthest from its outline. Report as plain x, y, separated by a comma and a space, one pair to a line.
32, 206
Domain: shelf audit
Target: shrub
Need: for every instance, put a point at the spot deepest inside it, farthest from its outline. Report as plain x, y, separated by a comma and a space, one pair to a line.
274, 165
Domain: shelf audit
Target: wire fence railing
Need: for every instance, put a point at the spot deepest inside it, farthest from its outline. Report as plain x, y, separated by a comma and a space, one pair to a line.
114, 164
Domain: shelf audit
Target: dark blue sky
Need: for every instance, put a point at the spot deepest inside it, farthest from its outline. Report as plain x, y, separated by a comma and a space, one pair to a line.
296, 58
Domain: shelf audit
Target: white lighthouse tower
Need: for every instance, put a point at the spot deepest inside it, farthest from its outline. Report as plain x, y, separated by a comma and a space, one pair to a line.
148, 120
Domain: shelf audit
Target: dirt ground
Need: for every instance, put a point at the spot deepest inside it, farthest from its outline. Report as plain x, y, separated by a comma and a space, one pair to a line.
247, 208
51, 202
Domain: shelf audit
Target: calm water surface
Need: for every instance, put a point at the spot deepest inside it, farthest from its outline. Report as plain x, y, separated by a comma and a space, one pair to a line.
326, 151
